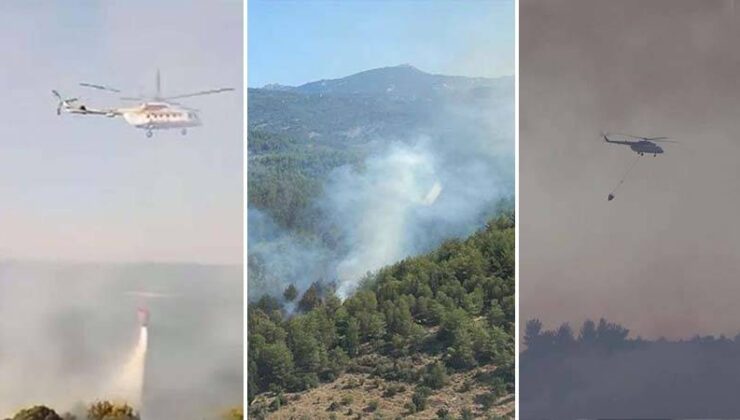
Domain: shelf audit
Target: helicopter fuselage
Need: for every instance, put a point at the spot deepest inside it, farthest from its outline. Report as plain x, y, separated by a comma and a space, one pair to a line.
646, 147
640, 147
154, 113
160, 116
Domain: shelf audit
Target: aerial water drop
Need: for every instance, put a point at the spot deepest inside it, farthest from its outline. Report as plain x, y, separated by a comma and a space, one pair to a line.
129, 385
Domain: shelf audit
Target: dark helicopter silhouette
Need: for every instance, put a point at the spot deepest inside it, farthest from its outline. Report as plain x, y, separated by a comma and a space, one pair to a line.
641, 145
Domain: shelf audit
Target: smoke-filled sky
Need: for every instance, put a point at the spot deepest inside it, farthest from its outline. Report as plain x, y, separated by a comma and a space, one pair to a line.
293, 42
90, 188
663, 257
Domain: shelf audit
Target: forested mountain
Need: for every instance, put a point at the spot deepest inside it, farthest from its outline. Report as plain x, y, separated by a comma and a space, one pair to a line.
298, 135
411, 326
385, 172
400, 82
316, 150
390, 102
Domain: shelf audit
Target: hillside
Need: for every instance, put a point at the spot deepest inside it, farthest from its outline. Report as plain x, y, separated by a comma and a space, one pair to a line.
355, 395
298, 135
389, 102
424, 335
399, 82
328, 154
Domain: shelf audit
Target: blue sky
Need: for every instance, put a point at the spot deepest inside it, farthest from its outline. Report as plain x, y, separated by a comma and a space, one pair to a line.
95, 189
293, 42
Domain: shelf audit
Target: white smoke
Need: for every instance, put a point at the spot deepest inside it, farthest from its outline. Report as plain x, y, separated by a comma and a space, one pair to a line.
407, 200
403, 200
277, 258
375, 206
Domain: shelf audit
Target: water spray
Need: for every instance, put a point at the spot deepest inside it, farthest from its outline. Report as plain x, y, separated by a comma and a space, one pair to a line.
129, 385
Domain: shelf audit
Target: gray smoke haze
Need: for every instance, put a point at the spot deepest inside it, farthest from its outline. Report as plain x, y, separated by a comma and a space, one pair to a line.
663, 257
277, 258
407, 197
67, 332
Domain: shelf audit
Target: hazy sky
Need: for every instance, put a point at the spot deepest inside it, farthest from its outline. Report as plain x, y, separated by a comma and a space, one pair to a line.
90, 188
663, 257
294, 42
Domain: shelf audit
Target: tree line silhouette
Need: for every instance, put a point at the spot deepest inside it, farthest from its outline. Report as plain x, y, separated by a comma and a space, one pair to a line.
601, 372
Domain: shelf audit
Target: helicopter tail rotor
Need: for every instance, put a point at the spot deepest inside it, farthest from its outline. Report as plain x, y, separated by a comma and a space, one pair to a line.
62, 103
605, 136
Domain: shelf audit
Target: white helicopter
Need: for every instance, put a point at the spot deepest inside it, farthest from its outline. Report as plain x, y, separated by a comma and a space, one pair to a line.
155, 113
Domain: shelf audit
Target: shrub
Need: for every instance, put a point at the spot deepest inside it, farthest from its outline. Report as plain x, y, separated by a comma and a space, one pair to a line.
104, 410
278, 402
466, 414
435, 376
38, 412
487, 400
392, 390
443, 414
419, 399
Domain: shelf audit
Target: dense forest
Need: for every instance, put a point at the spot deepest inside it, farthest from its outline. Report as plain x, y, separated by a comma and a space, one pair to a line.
286, 176
600, 372
455, 304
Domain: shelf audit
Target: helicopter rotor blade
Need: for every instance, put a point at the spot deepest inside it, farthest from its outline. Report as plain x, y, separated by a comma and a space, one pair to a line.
660, 140
201, 93
652, 139
100, 87
631, 135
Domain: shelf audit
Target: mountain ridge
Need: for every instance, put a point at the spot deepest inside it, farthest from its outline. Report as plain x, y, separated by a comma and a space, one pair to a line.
383, 103
385, 80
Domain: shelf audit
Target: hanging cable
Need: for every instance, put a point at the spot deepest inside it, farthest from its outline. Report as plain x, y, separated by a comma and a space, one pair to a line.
611, 195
